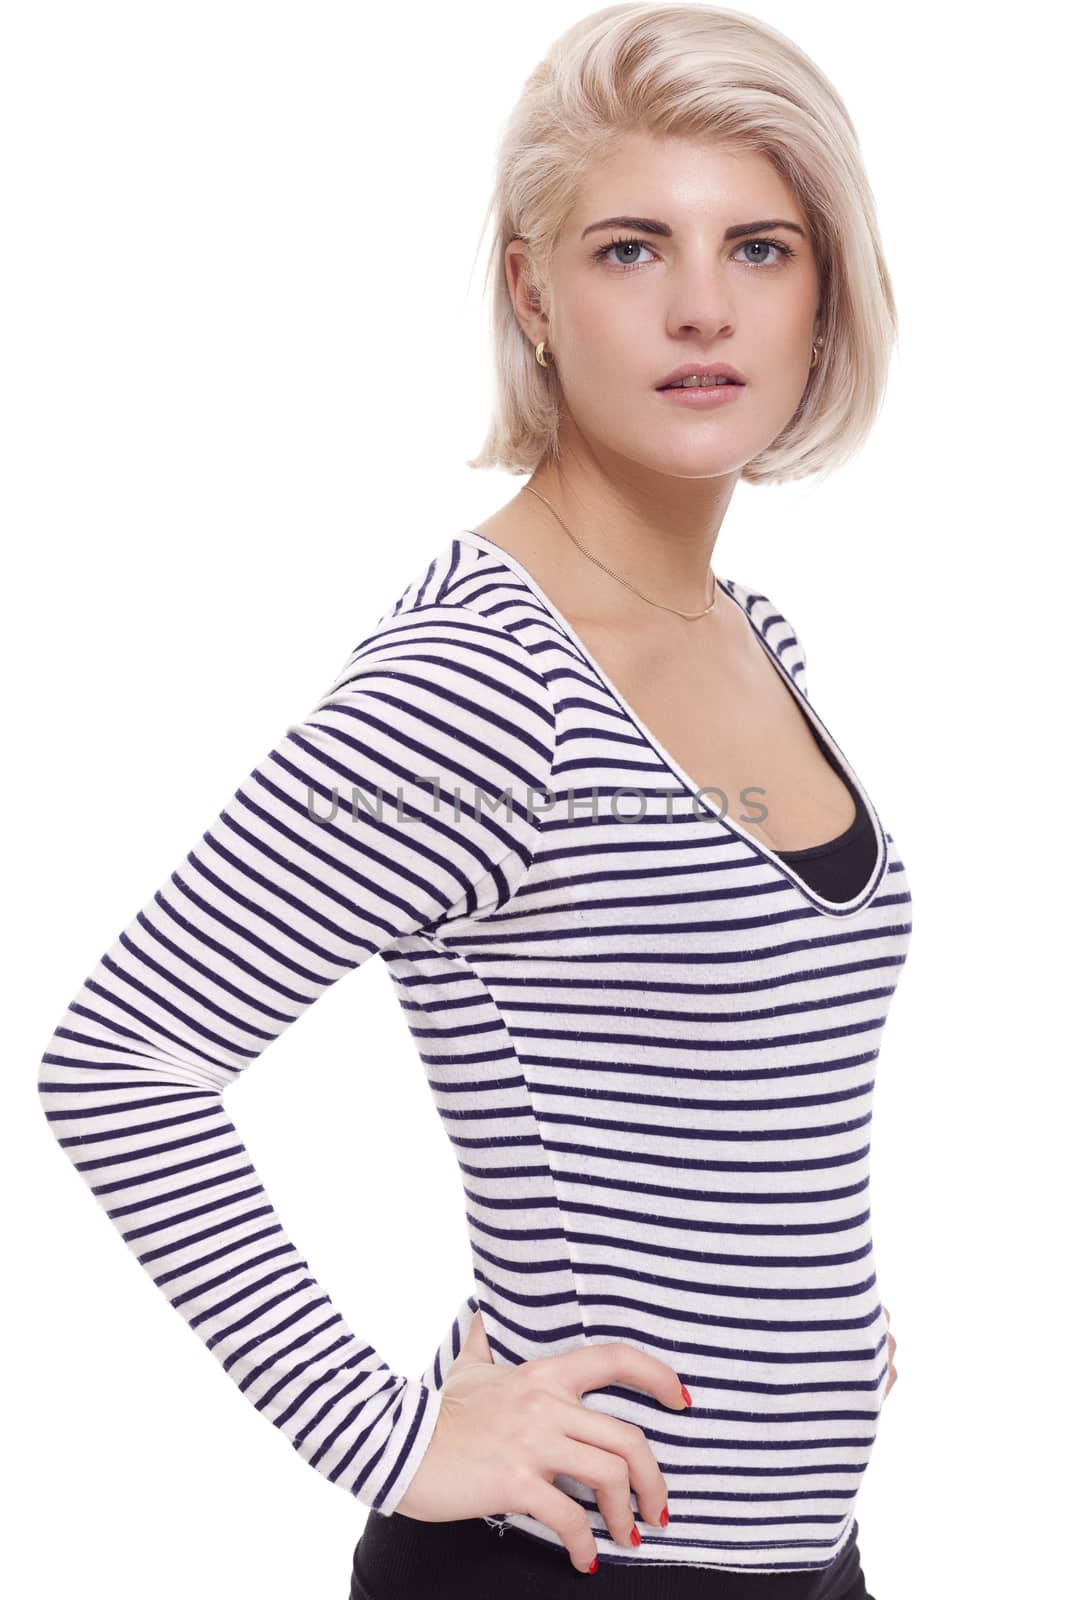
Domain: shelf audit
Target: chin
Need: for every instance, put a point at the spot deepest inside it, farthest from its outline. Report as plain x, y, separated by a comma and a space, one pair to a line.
710, 458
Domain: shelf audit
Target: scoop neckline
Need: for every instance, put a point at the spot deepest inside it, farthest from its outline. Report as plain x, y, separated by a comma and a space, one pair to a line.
829, 908
859, 824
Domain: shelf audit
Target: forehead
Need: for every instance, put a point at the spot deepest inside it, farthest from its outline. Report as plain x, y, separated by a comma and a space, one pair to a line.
683, 182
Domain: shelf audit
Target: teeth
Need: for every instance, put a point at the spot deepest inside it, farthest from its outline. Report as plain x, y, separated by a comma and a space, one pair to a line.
698, 383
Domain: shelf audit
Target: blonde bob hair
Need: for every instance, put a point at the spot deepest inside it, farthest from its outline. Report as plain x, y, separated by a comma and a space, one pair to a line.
693, 71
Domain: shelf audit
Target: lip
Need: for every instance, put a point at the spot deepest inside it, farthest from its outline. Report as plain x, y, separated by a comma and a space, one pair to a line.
719, 394
696, 369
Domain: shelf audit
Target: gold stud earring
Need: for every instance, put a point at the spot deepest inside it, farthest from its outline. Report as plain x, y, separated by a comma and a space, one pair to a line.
540, 354
816, 347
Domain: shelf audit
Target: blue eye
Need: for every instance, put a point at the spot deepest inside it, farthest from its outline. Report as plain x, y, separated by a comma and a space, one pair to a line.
784, 252
621, 244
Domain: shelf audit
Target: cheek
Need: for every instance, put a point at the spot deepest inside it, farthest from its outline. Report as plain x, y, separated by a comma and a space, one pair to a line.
599, 330
609, 362
781, 331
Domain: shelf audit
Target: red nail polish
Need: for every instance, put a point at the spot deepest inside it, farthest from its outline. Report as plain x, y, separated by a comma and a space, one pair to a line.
635, 1537
595, 1564
686, 1396
664, 1517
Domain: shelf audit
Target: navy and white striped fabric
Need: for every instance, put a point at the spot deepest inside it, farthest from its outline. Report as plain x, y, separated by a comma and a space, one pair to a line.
651, 1044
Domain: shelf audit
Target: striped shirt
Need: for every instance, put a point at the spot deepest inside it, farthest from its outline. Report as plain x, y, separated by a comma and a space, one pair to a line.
651, 1043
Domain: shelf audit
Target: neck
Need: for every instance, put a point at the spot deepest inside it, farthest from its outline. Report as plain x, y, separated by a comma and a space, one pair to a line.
658, 533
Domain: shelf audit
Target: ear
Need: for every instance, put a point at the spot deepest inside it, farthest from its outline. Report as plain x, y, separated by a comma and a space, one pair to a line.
525, 297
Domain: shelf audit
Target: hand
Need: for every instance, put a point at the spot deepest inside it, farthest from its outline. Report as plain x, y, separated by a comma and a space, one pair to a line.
892, 1352
503, 1432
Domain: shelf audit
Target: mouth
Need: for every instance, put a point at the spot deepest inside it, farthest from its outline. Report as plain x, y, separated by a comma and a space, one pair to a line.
702, 396
702, 383
698, 375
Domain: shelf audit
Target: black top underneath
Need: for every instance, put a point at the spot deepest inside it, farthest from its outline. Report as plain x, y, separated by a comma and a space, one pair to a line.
839, 868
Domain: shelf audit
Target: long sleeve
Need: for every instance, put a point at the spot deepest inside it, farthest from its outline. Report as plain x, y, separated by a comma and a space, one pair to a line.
283, 895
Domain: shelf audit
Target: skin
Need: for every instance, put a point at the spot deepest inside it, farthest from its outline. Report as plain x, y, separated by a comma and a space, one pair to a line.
649, 482
645, 483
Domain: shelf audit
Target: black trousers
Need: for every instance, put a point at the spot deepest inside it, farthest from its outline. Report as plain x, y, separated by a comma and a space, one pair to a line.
398, 1558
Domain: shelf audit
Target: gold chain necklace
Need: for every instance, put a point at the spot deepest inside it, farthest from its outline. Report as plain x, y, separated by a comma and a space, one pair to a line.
690, 616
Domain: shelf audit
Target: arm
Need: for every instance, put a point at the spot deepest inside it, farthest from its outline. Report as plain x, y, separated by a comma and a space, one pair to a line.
268, 910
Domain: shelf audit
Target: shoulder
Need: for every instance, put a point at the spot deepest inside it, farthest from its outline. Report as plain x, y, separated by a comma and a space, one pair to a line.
775, 627
450, 652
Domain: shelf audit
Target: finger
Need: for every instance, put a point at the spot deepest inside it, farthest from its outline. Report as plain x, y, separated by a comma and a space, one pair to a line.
477, 1338
475, 1346
595, 1365
608, 1475
886, 1311
626, 1440
565, 1516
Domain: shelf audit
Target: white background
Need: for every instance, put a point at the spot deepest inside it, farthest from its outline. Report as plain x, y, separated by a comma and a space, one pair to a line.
244, 359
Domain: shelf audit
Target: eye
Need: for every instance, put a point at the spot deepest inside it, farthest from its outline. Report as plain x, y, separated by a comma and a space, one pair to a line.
784, 250
620, 244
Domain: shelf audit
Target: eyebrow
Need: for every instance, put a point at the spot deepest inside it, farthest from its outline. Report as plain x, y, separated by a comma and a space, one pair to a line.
649, 225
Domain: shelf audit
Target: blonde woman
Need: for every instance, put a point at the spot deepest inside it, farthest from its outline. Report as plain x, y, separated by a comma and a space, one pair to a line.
642, 914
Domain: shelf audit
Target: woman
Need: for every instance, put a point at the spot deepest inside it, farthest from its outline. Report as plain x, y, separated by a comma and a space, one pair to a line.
649, 1017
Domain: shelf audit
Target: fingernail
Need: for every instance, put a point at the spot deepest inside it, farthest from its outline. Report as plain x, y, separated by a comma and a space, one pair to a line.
664, 1517
686, 1396
595, 1563
635, 1537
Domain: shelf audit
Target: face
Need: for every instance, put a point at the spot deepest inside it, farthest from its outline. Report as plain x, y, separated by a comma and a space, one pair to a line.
631, 303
